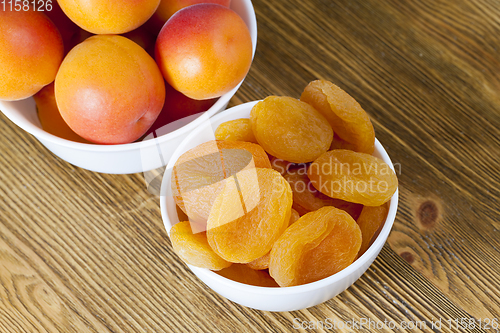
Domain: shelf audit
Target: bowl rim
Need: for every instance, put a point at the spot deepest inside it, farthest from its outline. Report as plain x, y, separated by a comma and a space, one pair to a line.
370, 254
7, 110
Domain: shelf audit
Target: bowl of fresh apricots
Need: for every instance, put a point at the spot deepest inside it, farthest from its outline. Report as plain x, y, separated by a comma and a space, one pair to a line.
115, 87
283, 203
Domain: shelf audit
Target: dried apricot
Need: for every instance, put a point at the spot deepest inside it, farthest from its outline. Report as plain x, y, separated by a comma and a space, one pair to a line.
234, 156
180, 214
243, 274
370, 221
235, 130
306, 198
194, 248
294, 217
283, 166
260, 263
198, 173
354, 177
338, 143
318, 245
290, 129
263, 262
348, 120
249, 214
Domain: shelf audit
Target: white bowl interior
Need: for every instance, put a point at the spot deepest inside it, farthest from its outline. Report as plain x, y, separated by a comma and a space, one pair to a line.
23, 114
270, 299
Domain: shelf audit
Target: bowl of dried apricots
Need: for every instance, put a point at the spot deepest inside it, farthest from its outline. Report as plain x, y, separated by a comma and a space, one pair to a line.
281, 204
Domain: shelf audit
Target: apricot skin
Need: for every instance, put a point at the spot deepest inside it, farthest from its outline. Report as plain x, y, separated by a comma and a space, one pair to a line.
204, 50
177, 111
109, 90
31, 50
109, 16
167, 8
67, 28
49, 115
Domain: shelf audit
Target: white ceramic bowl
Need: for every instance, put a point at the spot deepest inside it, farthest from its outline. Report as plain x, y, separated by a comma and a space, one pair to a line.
125, 158
270, 299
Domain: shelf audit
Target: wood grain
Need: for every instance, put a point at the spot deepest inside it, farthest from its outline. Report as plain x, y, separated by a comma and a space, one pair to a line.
87, 252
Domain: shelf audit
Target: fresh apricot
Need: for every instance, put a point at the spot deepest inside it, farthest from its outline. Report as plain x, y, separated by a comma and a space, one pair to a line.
49, 115
204, 50
142, 37
178, 111
66, 27
76, 39
31, 50
109, 17
167, 8
109, 90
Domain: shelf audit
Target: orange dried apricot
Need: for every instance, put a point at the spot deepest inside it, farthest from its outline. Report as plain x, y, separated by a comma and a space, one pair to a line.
235, 130
283, 166
244, 274
338, 143
249, 214
198, 174
180, 214
260, 263
318, 245
263, 262
354, 177
347, 118
290, 129
194, 248
234, 156
306, 198
294, 189
370, 221
294, 217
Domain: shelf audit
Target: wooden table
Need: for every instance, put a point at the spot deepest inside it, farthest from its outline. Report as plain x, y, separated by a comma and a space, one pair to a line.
87, 252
